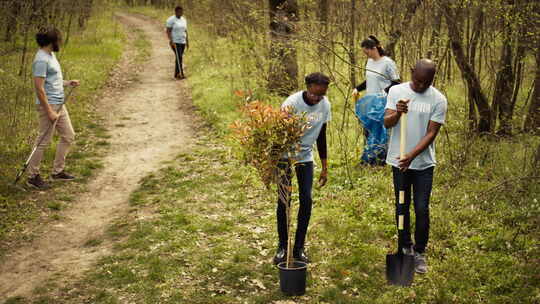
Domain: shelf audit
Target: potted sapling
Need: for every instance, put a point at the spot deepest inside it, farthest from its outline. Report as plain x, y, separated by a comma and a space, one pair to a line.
265, 136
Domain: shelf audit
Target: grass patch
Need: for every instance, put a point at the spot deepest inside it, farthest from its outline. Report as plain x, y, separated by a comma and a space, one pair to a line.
56, 206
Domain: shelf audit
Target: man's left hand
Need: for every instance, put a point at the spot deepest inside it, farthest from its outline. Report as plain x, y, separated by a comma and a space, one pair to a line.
405, 162
323, 178
74, 83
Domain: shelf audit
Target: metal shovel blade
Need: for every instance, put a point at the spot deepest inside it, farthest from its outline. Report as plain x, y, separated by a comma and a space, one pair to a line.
399, 269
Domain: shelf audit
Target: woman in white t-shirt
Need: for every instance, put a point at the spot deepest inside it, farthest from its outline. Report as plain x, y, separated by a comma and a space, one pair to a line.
381, 70
178, 39
381, 74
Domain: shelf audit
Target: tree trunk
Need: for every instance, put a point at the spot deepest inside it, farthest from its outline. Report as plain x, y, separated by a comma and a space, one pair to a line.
532, 122
396, 33
504, 84
352, 43
435, 40
471, 78
324, 7
283, 74
14, 8
473, 46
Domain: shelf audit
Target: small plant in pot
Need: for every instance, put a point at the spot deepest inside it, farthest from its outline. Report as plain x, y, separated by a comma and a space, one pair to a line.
265, 137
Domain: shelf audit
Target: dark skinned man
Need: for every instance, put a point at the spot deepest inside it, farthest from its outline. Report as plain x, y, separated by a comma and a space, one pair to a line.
426, 109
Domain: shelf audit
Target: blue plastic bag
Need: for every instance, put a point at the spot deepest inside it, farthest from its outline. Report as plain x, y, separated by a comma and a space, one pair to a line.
370, 112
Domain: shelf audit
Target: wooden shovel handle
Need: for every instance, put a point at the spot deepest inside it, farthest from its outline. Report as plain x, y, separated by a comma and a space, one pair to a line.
403, 137
402, 145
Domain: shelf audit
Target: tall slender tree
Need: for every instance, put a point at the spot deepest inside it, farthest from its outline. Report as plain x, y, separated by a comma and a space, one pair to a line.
283, 74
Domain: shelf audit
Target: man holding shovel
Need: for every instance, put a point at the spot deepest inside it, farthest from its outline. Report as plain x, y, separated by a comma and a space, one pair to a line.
53, 114
426, 109
315, 105
178, 39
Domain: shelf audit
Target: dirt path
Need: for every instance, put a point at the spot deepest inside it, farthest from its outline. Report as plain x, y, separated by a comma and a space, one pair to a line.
156, 128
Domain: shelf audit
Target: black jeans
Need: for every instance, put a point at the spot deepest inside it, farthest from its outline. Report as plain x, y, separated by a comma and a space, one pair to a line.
421, 182
178, 68
304, 174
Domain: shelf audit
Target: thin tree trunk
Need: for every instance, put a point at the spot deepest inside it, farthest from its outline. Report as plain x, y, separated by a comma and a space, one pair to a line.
283, 76
471, 78
352, 43
22, 69
11, 20
324, 7
68, 30
532, 122
396, 33
435, 40
504, 83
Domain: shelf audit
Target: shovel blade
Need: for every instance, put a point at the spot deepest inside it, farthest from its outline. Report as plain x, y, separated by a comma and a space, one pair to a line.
399, 269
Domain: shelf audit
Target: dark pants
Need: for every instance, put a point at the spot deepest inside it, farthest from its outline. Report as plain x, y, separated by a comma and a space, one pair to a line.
304, 174
178, 68
421, 182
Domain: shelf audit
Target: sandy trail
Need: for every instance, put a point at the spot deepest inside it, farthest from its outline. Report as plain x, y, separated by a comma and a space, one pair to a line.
156, 129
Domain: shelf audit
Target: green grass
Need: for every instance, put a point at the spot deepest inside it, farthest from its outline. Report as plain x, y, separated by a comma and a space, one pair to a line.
211, 243
211, 236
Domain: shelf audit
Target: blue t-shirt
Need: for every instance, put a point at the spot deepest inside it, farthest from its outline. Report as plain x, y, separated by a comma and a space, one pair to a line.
317, 115
423, 108
45, 65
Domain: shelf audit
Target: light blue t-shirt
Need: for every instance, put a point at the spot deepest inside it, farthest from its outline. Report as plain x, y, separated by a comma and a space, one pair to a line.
178, 28
317, 115
45, 65
376, 83
423, 108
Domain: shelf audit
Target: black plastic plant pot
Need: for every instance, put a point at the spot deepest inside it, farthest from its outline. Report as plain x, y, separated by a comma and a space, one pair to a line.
293, 280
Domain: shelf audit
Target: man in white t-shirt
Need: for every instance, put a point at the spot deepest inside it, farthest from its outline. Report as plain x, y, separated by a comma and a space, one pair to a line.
178, 39
426, 109
315, 105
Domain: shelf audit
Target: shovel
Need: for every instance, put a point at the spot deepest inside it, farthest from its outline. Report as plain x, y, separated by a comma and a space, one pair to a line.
52, 125
399, 266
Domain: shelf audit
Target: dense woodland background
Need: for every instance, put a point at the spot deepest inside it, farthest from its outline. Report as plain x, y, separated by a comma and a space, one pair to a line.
487, 52
486, 201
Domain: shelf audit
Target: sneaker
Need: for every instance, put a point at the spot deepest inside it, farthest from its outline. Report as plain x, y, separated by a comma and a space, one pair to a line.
409, 250
420, 265
62, 176
281, 256
300, 255
37, 182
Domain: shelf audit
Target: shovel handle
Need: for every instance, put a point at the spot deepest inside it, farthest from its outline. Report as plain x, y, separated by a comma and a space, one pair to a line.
402, 145
403, 137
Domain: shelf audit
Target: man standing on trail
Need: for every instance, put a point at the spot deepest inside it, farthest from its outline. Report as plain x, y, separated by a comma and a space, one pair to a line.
49, 85
426, 110
315, 105
178, 39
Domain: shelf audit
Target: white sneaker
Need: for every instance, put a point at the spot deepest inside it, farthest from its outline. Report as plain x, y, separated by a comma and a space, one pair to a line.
420, 264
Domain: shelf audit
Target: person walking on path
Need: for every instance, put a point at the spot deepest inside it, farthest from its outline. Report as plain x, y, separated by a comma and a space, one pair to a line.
315, 105
49, 85
426, 109
178, 39
381, 74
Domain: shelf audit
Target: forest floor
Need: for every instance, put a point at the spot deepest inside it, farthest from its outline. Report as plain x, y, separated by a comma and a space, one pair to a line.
148, 125
179, 220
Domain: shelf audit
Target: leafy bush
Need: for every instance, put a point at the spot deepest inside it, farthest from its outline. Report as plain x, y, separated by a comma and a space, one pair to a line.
267, 135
